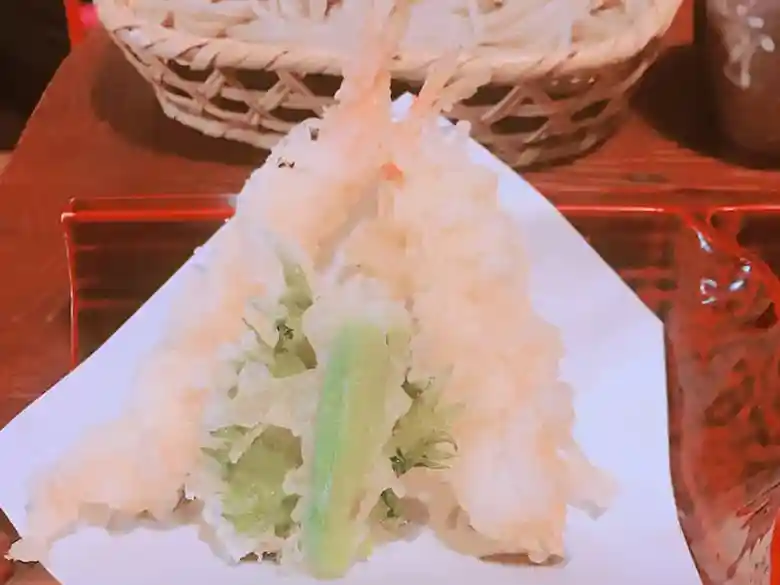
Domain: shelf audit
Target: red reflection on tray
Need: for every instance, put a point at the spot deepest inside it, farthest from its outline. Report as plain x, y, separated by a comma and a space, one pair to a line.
121, 250
709, 273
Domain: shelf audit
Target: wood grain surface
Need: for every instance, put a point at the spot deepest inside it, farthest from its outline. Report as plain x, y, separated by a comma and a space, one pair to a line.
98, 131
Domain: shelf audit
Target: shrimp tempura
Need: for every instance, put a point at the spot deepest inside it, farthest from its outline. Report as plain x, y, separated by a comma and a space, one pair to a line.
303, 197
443, 243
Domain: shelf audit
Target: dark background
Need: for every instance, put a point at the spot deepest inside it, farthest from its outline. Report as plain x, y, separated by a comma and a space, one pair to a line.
33, 43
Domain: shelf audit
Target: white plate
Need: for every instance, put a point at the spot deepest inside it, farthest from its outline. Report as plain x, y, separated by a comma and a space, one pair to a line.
614, 360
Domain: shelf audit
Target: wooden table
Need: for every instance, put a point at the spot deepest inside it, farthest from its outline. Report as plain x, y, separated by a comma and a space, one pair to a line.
98, 131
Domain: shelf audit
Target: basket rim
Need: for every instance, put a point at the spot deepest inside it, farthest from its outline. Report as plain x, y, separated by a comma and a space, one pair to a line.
504, 65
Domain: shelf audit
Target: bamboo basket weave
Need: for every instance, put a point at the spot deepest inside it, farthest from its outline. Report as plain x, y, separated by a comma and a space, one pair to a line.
537, 109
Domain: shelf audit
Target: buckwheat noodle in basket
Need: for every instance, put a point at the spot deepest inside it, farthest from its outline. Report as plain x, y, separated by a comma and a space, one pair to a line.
558, 73
526, 24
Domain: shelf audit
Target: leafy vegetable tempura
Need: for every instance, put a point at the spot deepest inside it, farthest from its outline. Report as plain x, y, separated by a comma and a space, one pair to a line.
303, 440
354, 355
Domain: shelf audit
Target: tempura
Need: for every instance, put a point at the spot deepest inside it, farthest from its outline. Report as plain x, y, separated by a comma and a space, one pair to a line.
354, 356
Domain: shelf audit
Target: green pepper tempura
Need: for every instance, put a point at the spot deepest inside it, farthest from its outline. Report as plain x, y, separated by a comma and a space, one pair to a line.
314, 481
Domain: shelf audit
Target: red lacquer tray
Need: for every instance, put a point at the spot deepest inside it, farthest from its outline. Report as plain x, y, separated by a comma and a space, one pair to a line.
708, 272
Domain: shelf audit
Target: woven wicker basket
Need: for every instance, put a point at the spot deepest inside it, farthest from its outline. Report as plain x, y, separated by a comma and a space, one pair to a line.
538, 108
